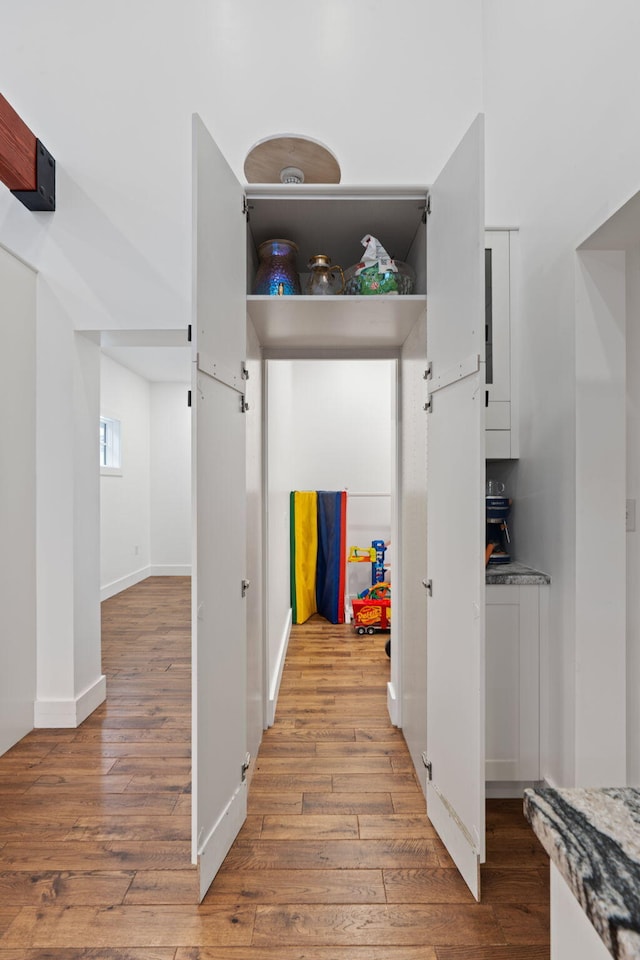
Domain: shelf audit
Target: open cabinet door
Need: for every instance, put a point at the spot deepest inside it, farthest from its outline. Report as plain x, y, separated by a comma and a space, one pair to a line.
455, 507
219, 616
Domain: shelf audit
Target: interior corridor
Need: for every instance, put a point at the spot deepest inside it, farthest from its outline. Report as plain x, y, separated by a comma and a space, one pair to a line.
337, 859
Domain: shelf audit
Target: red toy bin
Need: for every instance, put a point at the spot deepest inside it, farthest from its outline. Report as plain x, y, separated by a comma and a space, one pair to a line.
370, 616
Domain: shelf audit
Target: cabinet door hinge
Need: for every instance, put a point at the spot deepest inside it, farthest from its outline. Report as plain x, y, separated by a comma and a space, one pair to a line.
245, 208
427, 209
428, 585
188, 398
245, 586
427, 765
429, 405
429, 371
245, 371
244, 406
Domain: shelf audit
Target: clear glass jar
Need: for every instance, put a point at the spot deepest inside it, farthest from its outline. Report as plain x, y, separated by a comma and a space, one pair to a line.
323, 279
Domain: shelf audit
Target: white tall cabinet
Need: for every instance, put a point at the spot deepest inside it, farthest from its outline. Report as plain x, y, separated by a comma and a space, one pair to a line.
450, 239
501, 274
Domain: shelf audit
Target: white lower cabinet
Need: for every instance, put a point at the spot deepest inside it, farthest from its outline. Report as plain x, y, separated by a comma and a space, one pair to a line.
512, 683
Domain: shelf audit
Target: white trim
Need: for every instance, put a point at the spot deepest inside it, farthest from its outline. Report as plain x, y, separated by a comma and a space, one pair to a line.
170, 570
70, 713
508, 789
274, 682
123, 583
152, 570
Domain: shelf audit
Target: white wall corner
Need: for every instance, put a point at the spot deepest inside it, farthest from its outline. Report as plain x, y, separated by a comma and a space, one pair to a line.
276, 672
70, 713
123, 583
392, 704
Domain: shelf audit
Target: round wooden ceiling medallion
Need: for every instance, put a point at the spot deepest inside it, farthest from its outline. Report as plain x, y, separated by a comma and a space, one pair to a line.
268, 158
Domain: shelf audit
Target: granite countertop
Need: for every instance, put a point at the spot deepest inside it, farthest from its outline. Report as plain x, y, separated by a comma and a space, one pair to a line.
515, 573
593, 837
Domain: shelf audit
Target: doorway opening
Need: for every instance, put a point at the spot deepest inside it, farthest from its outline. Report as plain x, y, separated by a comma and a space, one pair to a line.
330, 425
145, 503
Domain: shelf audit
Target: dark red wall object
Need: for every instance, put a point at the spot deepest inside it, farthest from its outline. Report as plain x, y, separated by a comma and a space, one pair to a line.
26, 166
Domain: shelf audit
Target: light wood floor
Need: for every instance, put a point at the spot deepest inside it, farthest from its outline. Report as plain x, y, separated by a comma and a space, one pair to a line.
337, 860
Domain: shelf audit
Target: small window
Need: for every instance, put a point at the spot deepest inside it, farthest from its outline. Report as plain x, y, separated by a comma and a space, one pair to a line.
110, 459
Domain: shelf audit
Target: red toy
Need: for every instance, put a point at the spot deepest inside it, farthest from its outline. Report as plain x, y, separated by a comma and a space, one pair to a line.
372, 609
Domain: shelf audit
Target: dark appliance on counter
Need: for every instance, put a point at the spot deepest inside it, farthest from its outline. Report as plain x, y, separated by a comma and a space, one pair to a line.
498, 508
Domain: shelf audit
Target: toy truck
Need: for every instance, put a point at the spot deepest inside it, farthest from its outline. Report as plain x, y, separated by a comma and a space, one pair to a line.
372, 610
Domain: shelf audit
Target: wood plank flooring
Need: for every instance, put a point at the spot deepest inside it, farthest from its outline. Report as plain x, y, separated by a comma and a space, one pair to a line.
337, 859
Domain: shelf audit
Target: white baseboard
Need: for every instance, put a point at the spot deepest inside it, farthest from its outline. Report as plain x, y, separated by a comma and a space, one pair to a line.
70, 713
276, 676
507, 789
123, 583
151, 570
170, 570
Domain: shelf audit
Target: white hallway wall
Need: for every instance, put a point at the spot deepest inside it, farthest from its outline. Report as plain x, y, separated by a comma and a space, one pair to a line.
562, 156
146, 511
125, 514
17, 500
343, 440
170, 475
116, 253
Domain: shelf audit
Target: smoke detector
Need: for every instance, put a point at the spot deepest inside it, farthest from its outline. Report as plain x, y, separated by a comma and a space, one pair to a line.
287, 158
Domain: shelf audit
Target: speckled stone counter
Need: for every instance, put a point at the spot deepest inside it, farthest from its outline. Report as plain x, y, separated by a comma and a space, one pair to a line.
516, 574
593, 837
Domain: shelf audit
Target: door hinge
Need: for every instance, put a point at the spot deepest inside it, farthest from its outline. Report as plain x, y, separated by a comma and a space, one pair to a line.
245, 208
244, 406
189, 333
245, 371
245, 586
428, 372
188, 398
429, 405
427, 764
245, 767
427, 209
428, 585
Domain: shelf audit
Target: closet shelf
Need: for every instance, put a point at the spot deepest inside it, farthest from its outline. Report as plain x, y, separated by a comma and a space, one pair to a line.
366, 323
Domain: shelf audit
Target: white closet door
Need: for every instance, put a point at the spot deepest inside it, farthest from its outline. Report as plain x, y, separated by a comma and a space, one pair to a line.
219, 451
220, 255
413, 513
455, 507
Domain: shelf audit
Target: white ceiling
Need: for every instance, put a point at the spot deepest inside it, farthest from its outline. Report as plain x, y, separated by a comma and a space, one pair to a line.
157, 355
